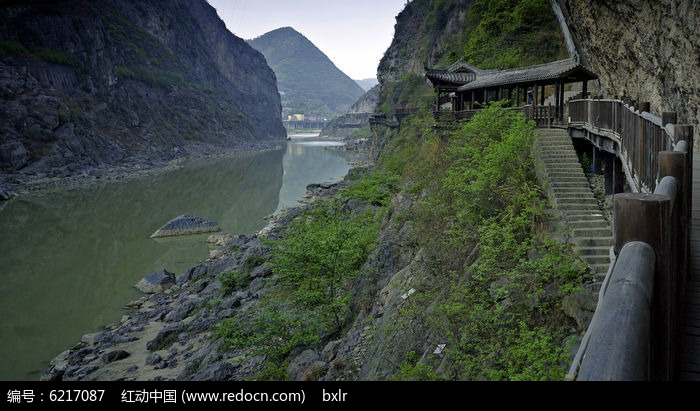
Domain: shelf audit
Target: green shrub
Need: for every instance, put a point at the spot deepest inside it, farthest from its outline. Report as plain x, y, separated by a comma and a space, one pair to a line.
13, 48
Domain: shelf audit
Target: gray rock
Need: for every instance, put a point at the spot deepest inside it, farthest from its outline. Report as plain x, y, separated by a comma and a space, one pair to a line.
234, 301
153, 359
156, 282
192, 273
581, 305
227, 313
121, 339
180, 313
220, 371
261, 271
330, 350
115, 355
298, 366
202, 324
256, 285
164, 338
186, 224
97, 338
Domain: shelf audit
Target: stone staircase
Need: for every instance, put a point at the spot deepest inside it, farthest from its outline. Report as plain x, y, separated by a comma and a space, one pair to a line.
571, 193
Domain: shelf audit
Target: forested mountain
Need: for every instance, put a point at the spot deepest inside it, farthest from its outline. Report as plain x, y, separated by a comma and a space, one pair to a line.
308, 81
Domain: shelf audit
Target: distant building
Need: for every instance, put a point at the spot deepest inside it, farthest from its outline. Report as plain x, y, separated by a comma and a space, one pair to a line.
295, 117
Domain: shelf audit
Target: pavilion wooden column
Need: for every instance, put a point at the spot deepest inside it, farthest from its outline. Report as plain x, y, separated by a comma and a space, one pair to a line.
584, 89
517, 96
510, 96
437, 99
542, 96
561, 103
471, 104
535, 90
485, 97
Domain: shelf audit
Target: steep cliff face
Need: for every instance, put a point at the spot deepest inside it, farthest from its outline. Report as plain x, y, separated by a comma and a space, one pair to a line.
413, 47
85, 84
646, 50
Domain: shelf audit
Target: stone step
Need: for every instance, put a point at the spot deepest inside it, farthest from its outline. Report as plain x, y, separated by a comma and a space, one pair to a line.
556, 145
590, 224
558, 183
594, 241
573, 180
580, 195
573, 218
560, 157
576, 200
562, 163
593, 251
569, 193
596, 259
591, 232
564, 175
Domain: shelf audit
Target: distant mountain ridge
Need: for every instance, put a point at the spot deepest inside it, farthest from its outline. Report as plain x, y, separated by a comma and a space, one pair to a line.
367, 83
308, 81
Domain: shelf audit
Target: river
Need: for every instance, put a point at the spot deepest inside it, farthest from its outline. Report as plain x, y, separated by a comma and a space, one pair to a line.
70, 259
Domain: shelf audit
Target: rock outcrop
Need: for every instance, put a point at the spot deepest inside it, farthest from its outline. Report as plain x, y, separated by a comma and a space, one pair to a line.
186, 224
357, 116
85, 85
644, 50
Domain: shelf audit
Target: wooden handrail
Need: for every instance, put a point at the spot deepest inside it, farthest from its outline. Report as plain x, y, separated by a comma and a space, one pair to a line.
657, 156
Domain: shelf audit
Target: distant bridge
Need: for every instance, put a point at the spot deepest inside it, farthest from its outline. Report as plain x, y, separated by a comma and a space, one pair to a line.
304, 124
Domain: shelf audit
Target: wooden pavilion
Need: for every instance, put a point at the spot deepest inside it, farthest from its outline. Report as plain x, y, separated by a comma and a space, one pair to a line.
463, 88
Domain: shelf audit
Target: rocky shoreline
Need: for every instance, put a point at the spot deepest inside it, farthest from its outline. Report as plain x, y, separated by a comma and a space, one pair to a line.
16, 184
168, 335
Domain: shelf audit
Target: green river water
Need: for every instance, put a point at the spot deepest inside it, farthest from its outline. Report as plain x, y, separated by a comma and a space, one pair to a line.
69, 260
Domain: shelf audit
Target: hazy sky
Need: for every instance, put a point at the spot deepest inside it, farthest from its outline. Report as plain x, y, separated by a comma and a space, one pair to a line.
354, 34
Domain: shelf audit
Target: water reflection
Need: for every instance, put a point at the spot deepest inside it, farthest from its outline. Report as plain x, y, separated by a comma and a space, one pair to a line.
69, 259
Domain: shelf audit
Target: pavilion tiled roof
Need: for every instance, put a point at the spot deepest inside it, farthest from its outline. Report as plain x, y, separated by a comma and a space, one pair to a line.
445, 76
541, 72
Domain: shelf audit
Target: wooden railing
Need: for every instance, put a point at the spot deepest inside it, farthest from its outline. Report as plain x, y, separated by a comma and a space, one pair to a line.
543, 116
448, 116
639, 135
634, 332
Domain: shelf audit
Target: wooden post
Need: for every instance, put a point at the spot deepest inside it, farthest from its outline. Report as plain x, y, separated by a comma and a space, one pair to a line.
683, 132
561, 102
674, 164
668, 117
471, 104
556, 101
542, 96
549, 115
645, 218
437, 99
584, 89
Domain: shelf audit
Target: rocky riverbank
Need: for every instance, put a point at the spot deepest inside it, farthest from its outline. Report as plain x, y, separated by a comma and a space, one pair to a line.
169, 335
16, 184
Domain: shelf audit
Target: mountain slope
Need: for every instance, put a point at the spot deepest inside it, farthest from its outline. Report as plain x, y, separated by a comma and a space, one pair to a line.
308, 80
367, 83
88, 84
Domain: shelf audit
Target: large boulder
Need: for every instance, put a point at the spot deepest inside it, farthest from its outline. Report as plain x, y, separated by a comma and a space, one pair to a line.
186, 224
156, 282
